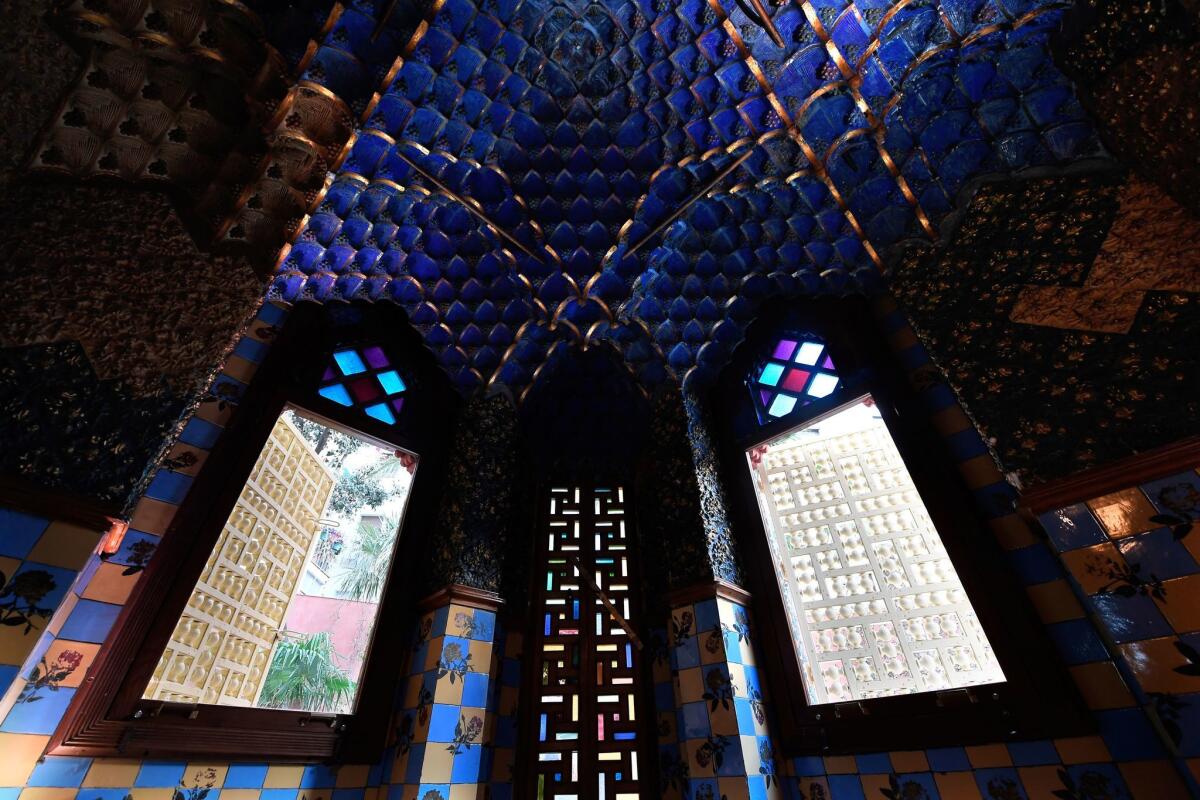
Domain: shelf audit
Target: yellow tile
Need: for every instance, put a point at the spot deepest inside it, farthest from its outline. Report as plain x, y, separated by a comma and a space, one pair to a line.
240, 794
840, 765
1091, 566
1054, 601
950, 421
988, 755
1124, 513
464, 791
1182, 608
1101, 686
1152, 780
21, 751
110, 585
979, 471
283, 777
214, 413
152, 794
691, 685
1082, 750
1040, 783
240, 369
65, 652
9, 565
1011, 532
437, 765
352, 776
48, 793
204, 773
956, 785
447, 691
910, 761
152, 516
65, 545
181, 454
1153, 662
112, 773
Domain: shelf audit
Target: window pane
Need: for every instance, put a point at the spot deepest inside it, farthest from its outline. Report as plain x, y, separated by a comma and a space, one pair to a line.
285, 608
874, 605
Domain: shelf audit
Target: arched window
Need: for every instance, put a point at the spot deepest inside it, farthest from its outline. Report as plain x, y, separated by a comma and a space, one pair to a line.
256, 629
866, 553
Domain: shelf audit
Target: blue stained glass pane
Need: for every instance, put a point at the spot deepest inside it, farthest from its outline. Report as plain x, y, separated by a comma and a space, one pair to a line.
381, 412
624, 737
770, 374
822, 385
547, 624
542, 735
349, 362
809, 353
337, 393
391, 382
782, 406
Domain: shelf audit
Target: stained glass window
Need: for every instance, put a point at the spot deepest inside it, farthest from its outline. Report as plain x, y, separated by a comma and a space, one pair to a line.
364, 378
875, 606
587, 701
797, 371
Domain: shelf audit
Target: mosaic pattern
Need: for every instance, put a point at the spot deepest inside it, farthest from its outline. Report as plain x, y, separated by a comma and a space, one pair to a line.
365, 379
798, 371
522, 171
875, 604
1088, 396
587, 704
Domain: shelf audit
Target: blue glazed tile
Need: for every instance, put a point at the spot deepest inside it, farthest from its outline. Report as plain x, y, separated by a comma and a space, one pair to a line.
279, 794
1158, 554
758, 787
996, 500
465, 768
1000, 782
948, 759
90, 621
251, 349
59, 771
425, 788
318, 776
922, 779
733, 650
938, 397
348, 794
1177, 494
1034, 564
1072, 527
686, 654
696, 724
463, 645
40, 716
734, 762
271, 313
441, 618
416, 759
200, 433
1077, 641
7, 673
913, 357
443, 722
134, 545
1130, 618
1129, 735
61, 578
14, 792
845, 787
394, 791
475, 687
19, 533
808, 765
745, 716
102, 794
1030, 754
35, 655
169, 487
245, 776
1102, 780
873, 763
159, 774
966, 445
707, 616
485, 626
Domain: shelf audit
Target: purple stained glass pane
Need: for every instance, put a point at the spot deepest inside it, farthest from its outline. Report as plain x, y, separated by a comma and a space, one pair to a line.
765, 397
376, 357
398, 404
329, 374
783, 350
827, 363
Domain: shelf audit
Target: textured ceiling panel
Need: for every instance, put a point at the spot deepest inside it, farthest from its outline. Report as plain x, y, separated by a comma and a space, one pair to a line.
541, 173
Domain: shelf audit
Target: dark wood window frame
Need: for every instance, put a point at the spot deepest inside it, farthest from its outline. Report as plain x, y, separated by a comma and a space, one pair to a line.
1038, 698
107, 715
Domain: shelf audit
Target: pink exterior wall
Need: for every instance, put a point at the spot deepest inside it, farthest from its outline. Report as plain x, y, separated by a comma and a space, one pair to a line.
347, 621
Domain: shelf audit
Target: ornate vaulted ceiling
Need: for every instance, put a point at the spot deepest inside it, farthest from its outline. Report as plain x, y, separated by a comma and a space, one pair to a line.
524, 175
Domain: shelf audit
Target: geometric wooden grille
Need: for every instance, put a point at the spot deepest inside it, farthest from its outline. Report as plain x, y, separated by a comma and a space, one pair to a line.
587, 703
875, 605
220, 650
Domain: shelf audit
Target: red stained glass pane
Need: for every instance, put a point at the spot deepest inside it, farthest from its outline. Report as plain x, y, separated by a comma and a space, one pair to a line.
365, 390
375, 357
795, 380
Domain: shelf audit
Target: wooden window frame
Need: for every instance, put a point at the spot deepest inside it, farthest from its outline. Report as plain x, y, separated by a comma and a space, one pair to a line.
107, 716
1037, 700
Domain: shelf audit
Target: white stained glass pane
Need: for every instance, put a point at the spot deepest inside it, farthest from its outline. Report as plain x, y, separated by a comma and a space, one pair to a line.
285, 610
874, 604
809, 353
